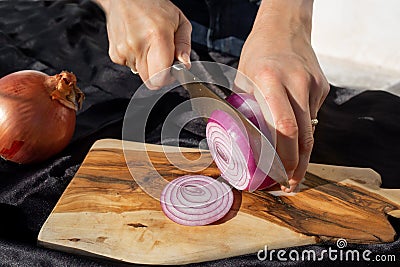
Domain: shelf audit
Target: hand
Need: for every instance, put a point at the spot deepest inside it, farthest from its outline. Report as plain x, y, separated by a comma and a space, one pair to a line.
278, 57
147, 36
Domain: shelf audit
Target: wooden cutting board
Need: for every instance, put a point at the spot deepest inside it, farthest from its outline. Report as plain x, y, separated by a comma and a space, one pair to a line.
103, 212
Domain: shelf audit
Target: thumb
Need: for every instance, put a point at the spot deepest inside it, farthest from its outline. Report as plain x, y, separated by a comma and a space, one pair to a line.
182, 41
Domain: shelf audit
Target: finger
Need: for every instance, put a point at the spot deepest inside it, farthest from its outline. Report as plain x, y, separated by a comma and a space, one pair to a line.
114, 35
141, 65
318, 93
315, 104
284, 120
182, 40
306, 142
298, 91
159, 58
293, 187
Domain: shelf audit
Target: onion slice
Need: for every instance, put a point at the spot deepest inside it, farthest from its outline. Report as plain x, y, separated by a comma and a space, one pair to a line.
196, 200
232, 153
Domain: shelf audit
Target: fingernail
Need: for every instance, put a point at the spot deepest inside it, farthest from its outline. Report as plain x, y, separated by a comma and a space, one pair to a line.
285, 189
185, 58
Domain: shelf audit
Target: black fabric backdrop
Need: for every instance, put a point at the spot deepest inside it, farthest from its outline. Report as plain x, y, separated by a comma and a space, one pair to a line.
71, 35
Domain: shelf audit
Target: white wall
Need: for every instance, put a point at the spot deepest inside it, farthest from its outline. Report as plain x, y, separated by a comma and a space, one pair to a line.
358, 42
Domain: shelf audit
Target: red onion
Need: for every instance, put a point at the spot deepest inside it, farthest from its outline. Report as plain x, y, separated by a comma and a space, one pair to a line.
37, 114
248, 106
189, 200
196, 200
232, 153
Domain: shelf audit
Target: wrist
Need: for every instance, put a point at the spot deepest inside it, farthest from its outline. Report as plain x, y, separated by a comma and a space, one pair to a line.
285, 16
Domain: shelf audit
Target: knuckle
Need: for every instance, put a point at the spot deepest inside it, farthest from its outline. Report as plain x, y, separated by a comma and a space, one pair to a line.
306, 143
323, 85
115, 57
325, 89
290, 164
183, 20
131, 42
156, 34
188, 25
183, 41
121, 49
301, 79
287, 127
268, 74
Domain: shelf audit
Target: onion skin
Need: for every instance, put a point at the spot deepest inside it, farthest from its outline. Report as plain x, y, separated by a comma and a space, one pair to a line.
247, 105
232, 153
37, 114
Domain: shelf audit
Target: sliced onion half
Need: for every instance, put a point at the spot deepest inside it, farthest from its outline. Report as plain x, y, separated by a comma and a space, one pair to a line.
196, 200
248, 106
232, 153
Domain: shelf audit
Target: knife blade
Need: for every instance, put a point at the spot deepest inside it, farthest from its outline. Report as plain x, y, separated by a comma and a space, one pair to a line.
265, 155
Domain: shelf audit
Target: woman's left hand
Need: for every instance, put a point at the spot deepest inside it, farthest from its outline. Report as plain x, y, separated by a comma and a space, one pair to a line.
277, 56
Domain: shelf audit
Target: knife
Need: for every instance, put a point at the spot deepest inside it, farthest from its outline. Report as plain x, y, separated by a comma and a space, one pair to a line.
265, 155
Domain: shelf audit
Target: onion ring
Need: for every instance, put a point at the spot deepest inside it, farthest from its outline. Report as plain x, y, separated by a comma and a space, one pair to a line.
196, 200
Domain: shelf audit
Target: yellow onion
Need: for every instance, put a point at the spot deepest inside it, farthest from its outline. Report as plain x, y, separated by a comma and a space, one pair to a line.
37, 114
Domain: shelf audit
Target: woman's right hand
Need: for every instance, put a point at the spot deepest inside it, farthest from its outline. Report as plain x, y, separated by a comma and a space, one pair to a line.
147, 36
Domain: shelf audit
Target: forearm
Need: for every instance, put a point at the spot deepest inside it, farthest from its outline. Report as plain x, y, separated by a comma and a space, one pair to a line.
287, 16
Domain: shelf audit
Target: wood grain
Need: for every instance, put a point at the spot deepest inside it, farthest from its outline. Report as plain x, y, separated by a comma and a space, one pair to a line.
328, 210
105, 212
